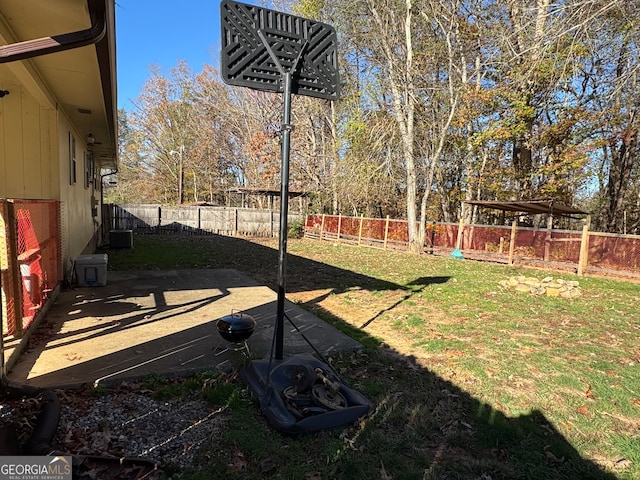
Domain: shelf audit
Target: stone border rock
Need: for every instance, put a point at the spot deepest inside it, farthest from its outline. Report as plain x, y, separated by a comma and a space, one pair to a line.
549, 286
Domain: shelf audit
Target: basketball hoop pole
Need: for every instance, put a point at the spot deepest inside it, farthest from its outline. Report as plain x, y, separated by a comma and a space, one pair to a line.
284, 191
284, 210
305, 56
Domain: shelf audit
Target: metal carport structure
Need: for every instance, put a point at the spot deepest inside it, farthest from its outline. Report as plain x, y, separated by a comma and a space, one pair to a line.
549, 207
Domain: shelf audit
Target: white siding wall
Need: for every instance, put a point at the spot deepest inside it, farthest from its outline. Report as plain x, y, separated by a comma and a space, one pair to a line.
34, 162
77, 224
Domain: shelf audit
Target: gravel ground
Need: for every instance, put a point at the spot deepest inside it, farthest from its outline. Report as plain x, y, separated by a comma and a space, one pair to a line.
126, 422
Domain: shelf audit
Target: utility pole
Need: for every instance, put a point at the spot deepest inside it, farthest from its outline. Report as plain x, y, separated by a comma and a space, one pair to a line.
180, 153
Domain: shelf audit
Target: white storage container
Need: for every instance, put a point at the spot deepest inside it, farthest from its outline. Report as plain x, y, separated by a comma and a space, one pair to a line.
91, 270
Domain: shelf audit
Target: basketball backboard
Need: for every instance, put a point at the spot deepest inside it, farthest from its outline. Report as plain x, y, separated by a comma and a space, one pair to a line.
305, 48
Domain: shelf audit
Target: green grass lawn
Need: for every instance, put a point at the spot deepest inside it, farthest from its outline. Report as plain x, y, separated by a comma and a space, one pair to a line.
469, 380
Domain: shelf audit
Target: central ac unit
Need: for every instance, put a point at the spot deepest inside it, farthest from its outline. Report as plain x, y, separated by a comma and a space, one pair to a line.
121, 239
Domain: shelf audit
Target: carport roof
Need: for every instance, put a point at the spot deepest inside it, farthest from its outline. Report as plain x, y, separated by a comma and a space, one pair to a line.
264, 191
531, 206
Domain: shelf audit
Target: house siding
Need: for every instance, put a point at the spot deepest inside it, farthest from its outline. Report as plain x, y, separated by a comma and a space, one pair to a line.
78, 227
34, 164
27, 150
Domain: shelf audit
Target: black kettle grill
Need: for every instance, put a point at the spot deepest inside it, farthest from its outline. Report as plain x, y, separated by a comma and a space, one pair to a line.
236, 329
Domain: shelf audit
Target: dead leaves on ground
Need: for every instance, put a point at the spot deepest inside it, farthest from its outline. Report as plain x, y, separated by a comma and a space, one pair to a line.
589, 393
238, 461
583, 410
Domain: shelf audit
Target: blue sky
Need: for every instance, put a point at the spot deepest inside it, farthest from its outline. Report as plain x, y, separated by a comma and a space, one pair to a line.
159, 32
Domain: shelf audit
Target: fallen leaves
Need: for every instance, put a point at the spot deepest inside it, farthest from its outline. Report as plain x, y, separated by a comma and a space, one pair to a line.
24, 413
101, 439
268, 466
238, 461
94, 470
73, 356
126, 423
583, 410
525, 349
454, 353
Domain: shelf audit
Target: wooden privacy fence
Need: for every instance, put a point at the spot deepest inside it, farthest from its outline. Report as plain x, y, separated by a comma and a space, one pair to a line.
581, 251
196, 220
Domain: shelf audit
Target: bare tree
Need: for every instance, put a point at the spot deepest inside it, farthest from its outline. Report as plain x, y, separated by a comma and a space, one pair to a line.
612, 77
412, 51
444, 101
164, 118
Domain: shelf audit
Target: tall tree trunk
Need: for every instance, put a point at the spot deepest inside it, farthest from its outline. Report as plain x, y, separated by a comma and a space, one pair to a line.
623, 159
402, 86
529, 56
335, 159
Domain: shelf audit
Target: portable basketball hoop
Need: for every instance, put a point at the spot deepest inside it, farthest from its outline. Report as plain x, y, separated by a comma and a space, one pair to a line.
281, 53
277, 52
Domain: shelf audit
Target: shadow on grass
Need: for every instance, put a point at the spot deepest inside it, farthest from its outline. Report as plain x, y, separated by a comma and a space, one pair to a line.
422, 426
255, 259
427, 427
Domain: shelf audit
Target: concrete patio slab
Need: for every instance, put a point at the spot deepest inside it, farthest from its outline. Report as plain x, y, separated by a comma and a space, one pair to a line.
161, 322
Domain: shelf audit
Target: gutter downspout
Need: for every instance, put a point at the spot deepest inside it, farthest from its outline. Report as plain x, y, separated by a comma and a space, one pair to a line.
104, 228
58, 43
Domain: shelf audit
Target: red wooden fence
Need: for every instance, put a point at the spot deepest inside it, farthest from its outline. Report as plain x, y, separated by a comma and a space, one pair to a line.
582, 251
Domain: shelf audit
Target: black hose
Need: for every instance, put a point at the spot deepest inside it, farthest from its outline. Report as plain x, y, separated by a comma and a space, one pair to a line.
39, 442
